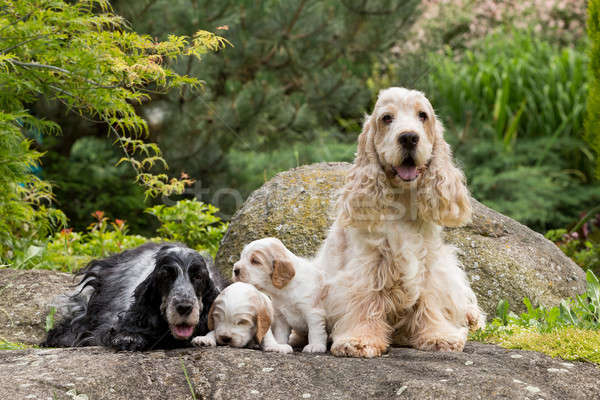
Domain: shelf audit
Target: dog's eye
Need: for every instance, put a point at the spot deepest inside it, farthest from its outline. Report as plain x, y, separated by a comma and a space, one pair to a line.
254, 260
387, 119
423, 116
243, 322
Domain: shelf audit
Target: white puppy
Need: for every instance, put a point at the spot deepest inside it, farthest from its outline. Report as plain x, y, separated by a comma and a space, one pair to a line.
241, 316
294, 285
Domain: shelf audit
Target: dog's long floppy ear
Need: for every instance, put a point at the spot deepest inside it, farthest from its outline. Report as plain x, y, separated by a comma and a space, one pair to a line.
443, 195
365, 180
210, 321
264, 316
283, 270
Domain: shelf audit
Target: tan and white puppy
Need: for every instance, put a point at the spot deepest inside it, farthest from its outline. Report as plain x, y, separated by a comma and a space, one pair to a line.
295, 287
241, 316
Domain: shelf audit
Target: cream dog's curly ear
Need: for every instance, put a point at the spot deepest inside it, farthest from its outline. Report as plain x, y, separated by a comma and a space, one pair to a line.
264, 316
365, 181
443, 194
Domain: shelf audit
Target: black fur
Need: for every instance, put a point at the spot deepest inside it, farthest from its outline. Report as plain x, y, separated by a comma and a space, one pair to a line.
101, 312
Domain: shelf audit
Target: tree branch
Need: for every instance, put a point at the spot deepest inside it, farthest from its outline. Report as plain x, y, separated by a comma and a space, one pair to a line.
57, 69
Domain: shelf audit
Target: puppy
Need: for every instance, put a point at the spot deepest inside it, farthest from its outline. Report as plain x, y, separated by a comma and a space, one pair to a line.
241, 316
295, 286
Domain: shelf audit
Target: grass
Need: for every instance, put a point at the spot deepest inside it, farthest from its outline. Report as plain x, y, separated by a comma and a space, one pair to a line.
570, 331
6, 345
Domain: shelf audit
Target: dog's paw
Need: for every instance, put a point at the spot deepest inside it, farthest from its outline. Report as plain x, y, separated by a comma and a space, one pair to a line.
200, 341
315, 348
358, 347
279, 348
128, 342
454, 343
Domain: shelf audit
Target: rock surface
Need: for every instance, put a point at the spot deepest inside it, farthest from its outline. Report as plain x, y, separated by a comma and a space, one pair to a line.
24, 299
503, 258
480, 372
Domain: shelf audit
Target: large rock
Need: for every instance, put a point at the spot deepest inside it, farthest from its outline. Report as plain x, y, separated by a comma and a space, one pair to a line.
480, 372
503, 258
24, 299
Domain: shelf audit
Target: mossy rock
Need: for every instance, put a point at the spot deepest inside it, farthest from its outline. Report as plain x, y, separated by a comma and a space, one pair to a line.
503, 258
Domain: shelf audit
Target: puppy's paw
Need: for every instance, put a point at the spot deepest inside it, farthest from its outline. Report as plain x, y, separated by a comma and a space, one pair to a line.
315, 348
358, 347
279, 348
200, 341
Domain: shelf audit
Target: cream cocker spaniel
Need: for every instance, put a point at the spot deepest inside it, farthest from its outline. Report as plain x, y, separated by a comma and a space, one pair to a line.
390, 276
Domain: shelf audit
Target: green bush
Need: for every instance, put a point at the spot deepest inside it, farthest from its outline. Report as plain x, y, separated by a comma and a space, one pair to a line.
593, 100
582, 242
191, 222
187, 221
514, 108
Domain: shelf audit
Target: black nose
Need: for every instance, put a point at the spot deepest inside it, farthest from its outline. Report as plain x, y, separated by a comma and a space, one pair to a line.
409, 140
184, 309
225, 339
236, 272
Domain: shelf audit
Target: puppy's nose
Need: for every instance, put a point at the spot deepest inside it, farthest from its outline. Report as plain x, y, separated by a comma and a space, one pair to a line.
184, 309
236, 271
225, 339
409, 140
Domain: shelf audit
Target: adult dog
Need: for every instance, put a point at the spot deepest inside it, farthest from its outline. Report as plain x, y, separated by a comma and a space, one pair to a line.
153, 296
391, 278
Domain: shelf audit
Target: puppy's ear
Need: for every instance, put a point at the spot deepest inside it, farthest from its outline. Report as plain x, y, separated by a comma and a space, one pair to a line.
283, 271
443, 194
210, 321
264, 316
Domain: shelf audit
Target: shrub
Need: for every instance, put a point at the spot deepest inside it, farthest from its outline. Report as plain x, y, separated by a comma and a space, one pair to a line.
514, 111
191, 222
81, 55
593, 100
187, 221
582, 242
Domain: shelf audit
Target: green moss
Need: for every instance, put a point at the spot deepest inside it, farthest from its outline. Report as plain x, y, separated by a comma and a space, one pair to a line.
567, 343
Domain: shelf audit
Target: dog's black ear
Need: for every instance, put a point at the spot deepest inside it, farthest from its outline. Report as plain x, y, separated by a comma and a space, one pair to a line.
147, 292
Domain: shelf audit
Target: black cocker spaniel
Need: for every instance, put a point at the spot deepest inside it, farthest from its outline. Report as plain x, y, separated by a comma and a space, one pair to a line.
154, 296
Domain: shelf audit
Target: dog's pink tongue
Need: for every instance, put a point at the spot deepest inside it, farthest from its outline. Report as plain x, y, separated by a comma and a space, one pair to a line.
406, 172
183, 330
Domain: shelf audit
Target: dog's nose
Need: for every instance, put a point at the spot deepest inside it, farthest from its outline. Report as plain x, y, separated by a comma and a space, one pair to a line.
236, 271
225, 339
184, 309
409, 140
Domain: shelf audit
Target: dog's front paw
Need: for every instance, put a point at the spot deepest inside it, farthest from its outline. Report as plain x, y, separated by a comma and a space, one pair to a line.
315, 348
358, 347
128, 342
200, 341
439, 343
279, 348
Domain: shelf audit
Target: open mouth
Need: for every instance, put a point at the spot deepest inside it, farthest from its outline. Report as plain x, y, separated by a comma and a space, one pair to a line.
407, 171
182, 331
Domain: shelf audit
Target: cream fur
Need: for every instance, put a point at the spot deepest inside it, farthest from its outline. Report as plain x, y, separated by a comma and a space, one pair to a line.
243, 315
295, 287
390, 276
